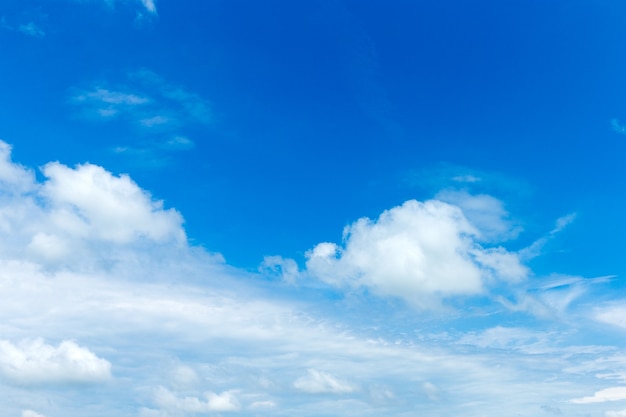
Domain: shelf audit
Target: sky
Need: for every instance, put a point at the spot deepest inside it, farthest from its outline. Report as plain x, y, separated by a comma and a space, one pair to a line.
312, 208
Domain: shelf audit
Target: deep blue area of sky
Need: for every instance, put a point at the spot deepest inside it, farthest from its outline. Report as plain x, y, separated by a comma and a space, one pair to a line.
326, 111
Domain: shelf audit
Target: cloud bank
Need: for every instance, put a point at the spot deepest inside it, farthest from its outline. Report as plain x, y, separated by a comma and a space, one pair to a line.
100, 286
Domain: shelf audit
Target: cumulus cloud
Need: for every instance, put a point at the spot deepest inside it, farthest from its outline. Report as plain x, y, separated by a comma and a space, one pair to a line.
109, 207
418, 251
608, 394
14, 178
76, 211
316, 382
226, 401
34, 361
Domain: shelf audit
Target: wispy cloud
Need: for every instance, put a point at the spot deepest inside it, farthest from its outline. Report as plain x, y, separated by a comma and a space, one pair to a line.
30, 28
144, 6
534, 249
151, 107
618, 127
316, 382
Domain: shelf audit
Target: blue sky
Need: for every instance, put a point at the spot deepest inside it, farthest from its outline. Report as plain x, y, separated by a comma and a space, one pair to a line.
312, 208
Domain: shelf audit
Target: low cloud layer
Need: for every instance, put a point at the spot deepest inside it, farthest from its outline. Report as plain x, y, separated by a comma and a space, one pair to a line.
100, 286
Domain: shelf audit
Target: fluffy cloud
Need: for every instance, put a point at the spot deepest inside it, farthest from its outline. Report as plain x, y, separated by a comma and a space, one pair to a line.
37, 362
316, 382
608, 394
417, 251
77, 211
14, 178
107, 207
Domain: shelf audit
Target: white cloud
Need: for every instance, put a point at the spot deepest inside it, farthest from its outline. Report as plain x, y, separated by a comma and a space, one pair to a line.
110, 103
613, 314
502, 337
14, 178
108, 207
608, 394
466, 178
484, 212
286, 269
78, 215
149, 305
31, 413
535, 249
149, 5
37, 362
316, 382
621, 413
184, 376
262, 405
417, 251
432, 392
179, 143
223, 402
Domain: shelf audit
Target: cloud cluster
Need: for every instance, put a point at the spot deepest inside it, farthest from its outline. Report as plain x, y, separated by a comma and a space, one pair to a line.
34, 362
419, 251
84, 253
